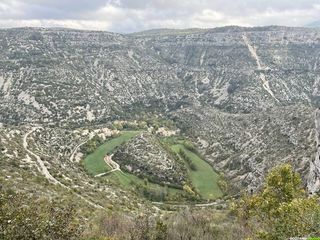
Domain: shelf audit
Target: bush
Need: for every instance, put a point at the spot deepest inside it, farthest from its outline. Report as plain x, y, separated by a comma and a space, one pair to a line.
188, 145
157, 195
24, 217
281, 210
91, 145
185, 157
184, 225
116, 226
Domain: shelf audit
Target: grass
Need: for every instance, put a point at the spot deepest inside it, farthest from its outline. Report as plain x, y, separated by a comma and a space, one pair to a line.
94, 163
125, 179
204, 179
129, 181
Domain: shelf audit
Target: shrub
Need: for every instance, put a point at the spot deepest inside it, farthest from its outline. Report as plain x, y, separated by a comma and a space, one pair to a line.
185, 157
24, 217
281, 210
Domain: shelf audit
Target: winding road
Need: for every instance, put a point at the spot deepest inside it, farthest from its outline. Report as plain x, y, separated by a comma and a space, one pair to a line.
108, 159
116, 167
112, 164
40, 164
43, 169
75, 150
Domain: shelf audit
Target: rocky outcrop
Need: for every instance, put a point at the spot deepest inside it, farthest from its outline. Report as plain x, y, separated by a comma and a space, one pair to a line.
314, 175
246, 146
145, 157
69, 76
247, 93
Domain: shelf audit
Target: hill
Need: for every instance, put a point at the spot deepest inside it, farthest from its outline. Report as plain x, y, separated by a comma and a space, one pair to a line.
245, 96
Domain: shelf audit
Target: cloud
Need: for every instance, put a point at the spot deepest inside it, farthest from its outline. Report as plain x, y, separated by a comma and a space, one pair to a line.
65, 23
137, 15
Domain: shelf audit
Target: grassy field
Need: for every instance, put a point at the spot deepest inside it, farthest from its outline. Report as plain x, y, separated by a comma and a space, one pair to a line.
94, 163
204, 179
126, 180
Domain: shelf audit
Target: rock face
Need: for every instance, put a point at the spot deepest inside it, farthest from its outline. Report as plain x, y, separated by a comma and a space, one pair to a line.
248, 93
145, 157
314, 176
245, 146
83, 76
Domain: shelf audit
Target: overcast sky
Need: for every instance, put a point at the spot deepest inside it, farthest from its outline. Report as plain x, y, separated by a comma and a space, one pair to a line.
136, 15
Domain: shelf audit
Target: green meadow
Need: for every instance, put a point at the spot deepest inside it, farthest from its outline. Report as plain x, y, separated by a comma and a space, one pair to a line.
94, 163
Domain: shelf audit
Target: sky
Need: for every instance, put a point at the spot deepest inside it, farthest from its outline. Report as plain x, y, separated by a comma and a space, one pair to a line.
125, 16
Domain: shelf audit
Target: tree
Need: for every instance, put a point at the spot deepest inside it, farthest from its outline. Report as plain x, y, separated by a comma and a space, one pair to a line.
281, 209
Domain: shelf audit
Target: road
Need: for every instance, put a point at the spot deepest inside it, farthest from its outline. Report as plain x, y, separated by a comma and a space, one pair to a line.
116, 167
43, 169
108, 159
40, 164
75, 150
112, 164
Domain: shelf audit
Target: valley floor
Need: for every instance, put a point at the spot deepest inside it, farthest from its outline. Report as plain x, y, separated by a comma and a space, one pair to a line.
203, 177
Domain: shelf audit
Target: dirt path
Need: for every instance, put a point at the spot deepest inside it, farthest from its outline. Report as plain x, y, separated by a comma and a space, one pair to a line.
75, 150
116, 167
112, 164
43, 169
40, 164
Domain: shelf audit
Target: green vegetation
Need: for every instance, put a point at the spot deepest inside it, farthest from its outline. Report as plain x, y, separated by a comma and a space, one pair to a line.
149, 190
188, 160
24, 217
204, 179
205, 224
91, 145
94, 163
281, 210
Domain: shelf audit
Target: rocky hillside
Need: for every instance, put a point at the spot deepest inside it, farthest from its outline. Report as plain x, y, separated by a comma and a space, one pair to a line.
145, 157
314, 177
245, 95
245, 146
68, 76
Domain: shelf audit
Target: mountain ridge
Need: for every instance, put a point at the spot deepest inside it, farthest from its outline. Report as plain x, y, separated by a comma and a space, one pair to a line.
72, 78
